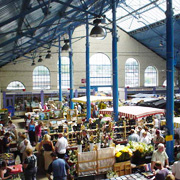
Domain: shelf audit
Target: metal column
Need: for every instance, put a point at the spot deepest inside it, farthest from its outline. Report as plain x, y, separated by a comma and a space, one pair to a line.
59, 54
87, 71
115, 62
170, 80
42, 98
4, 99
71, 69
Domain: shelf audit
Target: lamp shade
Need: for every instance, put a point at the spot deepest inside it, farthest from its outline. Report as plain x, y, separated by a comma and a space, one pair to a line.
66, 48
97, 31
40, 59
33, 63
48, 55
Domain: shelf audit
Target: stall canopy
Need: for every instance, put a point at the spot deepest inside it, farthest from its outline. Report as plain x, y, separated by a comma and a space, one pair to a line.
176, 121
134, 112
83, 99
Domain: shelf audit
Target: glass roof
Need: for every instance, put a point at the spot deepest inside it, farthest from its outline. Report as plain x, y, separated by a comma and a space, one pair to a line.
135, 14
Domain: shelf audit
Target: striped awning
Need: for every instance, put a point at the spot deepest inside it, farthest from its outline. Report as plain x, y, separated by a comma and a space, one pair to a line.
134, 112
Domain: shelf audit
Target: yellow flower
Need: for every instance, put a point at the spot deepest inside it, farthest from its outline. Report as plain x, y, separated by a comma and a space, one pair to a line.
118, 154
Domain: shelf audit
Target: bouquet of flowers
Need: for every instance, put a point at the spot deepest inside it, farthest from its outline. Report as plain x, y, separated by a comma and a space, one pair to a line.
122, 153
140, 151
143, 148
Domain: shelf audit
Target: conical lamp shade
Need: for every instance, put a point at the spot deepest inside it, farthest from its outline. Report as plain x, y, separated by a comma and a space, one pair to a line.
40, 59
97, 31
33, 63
48, 55
66, 48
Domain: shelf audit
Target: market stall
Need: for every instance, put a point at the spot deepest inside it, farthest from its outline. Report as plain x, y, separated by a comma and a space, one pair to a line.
134, 112
83, 99
176, 122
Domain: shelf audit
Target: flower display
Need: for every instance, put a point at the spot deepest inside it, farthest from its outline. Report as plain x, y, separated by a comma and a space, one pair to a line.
143, 148
122, 153
141, 151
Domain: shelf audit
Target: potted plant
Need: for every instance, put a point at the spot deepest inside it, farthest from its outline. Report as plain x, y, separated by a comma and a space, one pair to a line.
91, 143
79, 143
123, 153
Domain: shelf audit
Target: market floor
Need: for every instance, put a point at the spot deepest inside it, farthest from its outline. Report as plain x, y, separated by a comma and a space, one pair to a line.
21, 127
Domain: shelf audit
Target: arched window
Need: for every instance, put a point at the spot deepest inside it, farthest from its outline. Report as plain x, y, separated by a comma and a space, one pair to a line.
150, 76
131, 73
65, 78
41, 78
14, 85
100, 70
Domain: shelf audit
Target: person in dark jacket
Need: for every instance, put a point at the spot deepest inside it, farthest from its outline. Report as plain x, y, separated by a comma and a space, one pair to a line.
30, 165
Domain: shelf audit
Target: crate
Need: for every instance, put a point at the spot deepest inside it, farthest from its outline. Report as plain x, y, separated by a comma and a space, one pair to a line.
122, 168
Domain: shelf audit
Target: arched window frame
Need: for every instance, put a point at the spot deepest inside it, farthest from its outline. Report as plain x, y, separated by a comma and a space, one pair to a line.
132, 73
15, 85
100, 72
43, 82
151, 75
65, 72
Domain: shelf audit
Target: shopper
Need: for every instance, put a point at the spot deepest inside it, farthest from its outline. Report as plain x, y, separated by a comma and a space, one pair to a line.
30, 165
6, 142
48, 147
133, 136
12, 128
38, 131
159, 155
61, 146
170, 177
23, 146
145, 139
176, 168
162, 173
59, 168
158, 139
31, 131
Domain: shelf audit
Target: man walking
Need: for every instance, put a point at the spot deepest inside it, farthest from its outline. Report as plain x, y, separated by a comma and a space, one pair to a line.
58, 167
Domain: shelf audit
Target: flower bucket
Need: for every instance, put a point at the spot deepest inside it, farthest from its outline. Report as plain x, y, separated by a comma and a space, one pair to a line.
79, 148
98, 146
91, 146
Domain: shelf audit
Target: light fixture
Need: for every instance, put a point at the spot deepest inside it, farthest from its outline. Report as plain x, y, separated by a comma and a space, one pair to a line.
66, 47
97, 31
48, 55
33, 63
161, 43
40, 59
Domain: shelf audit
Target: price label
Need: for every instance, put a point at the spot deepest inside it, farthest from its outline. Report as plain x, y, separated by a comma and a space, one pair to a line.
169, 138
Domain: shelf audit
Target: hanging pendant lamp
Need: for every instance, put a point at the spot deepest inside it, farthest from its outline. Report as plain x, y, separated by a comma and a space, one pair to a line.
97, 31
66, 47
48, 55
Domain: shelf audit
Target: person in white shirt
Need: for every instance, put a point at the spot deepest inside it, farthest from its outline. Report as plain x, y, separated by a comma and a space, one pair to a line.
12, 128
141, 130
176, 168
23, 145
145, 139
61, 146
156, 123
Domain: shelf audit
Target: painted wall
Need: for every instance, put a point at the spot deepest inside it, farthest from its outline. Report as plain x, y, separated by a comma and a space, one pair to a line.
127, 48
